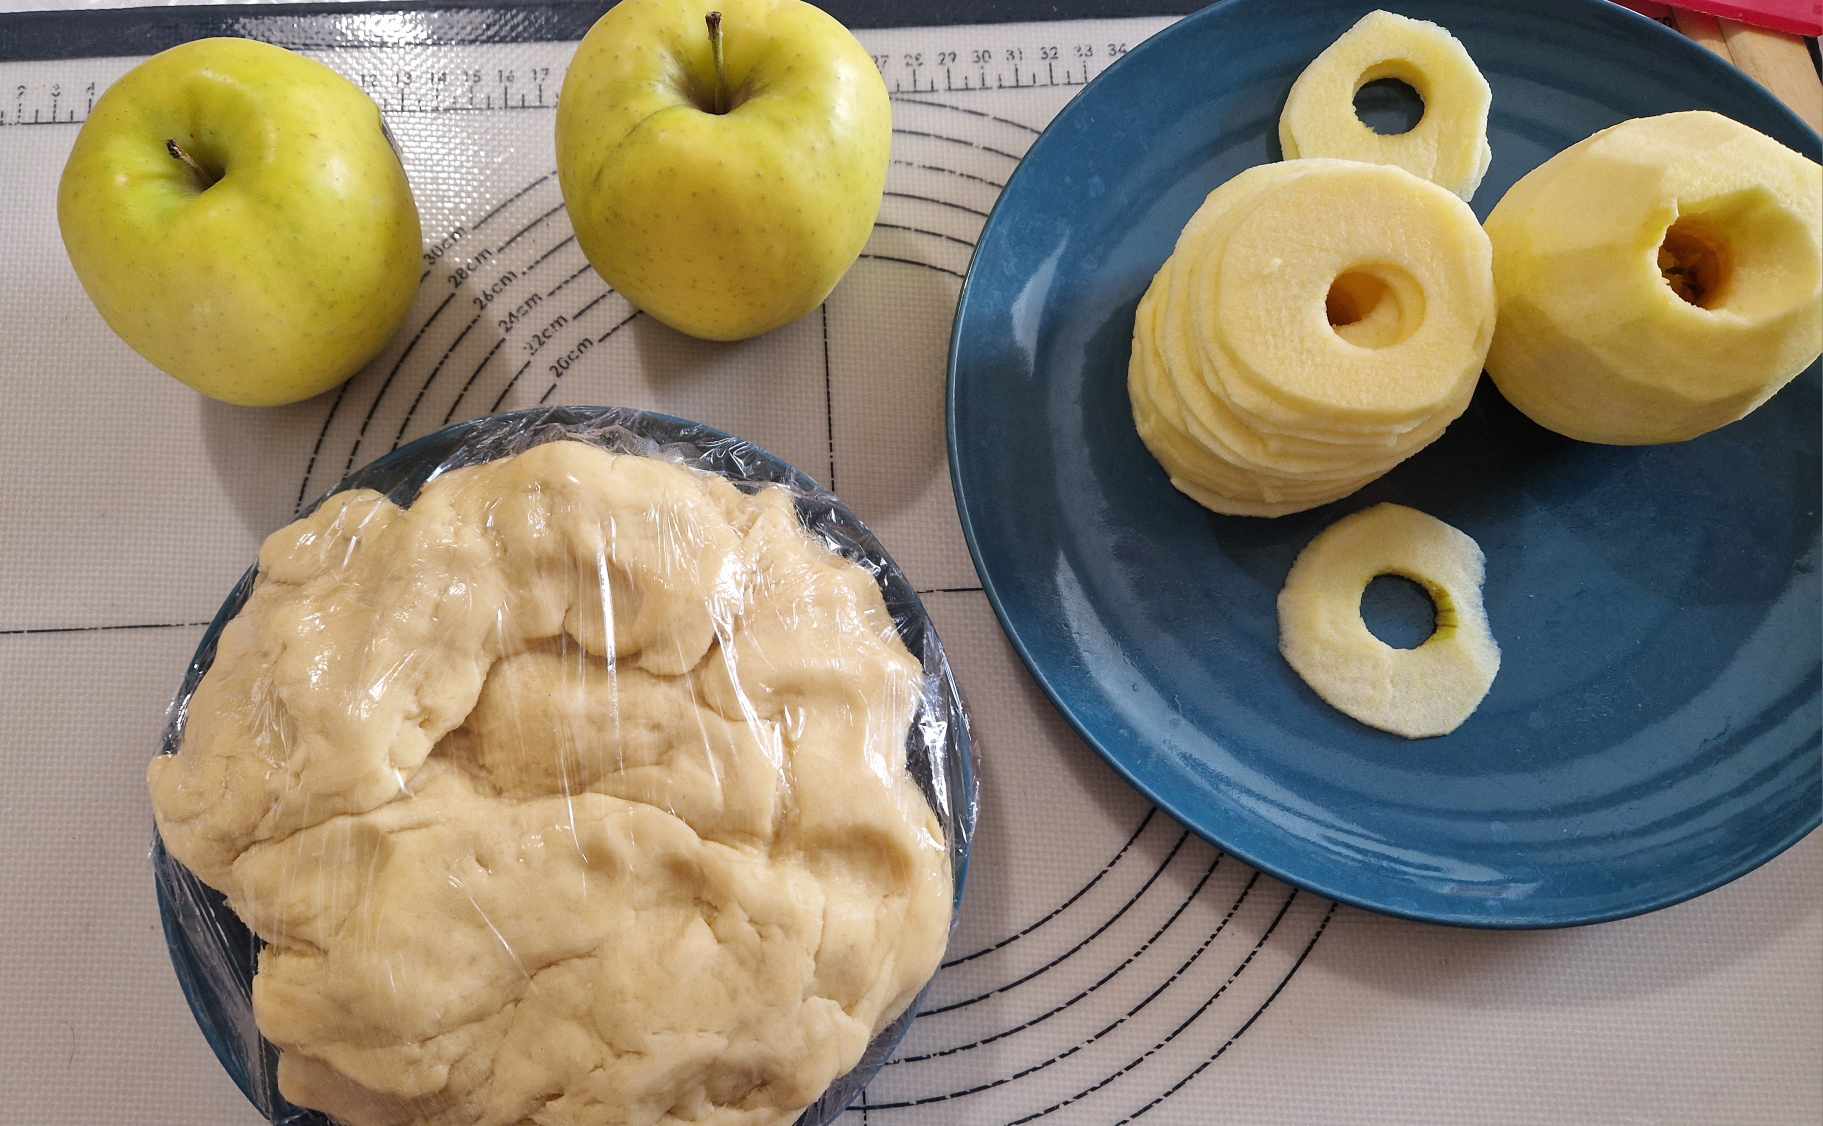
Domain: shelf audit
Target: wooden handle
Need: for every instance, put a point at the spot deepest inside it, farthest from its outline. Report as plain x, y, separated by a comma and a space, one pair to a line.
1782, 64
1779, 62
1704, 29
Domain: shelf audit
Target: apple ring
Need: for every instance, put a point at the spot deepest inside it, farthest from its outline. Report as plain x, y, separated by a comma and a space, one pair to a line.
1448, 146
1417, 693
1421, 250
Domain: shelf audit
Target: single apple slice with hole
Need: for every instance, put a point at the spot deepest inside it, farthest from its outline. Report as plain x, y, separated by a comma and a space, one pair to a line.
1658, 280
1449, 144
1420, 692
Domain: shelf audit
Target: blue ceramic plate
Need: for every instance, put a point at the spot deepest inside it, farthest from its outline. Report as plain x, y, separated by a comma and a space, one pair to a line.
1654, 729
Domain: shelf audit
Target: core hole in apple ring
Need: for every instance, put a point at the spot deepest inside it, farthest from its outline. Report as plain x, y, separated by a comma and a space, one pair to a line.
1400, 611
1387, 103
1353, 296
1695, 263
1373, 307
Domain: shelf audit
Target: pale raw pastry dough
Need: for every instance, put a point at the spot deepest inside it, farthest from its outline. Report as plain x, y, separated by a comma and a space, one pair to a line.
1429, 690
573, 794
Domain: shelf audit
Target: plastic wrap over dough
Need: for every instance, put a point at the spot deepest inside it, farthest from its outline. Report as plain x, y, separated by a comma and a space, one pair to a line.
576, 792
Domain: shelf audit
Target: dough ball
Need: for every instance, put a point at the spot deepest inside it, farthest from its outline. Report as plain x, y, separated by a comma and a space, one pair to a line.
574, 793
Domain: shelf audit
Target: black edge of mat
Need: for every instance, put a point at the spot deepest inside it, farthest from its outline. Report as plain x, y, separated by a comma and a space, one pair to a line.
102, 33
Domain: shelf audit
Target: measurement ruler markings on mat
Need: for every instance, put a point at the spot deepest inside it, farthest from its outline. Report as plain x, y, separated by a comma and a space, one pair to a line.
987, 67
52, 102
474, 85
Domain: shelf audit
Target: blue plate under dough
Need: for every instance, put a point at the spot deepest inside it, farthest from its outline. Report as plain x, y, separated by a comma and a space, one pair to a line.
1654, 730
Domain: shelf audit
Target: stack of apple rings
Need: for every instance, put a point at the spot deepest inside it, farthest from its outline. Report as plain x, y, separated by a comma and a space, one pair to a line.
1319, 322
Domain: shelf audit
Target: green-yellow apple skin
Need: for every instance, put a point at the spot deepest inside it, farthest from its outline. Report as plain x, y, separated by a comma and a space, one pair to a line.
722, 225
283, 277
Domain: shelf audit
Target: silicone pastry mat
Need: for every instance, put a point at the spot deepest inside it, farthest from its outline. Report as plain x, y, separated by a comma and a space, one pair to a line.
1108, 964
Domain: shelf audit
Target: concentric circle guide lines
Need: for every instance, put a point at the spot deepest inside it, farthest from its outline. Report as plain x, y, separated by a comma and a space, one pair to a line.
939, 1010
563, 248
1103, 980
1105, 1029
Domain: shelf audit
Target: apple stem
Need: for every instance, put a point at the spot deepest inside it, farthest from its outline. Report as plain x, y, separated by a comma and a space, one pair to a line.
714, 20
177, 153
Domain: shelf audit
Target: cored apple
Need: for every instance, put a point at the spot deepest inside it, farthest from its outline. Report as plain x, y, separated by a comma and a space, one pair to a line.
1658, 280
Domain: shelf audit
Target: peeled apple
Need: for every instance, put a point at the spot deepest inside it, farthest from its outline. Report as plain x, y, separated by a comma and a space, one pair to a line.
1658, 280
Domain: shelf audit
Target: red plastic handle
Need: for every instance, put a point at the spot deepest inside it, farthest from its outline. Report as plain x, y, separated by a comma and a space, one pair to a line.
1799, 17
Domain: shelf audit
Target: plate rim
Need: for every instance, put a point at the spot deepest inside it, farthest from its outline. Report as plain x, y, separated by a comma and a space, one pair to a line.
1627, 22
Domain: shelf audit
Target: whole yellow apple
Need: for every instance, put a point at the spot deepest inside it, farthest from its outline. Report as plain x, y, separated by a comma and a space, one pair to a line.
723, 173
239, 217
